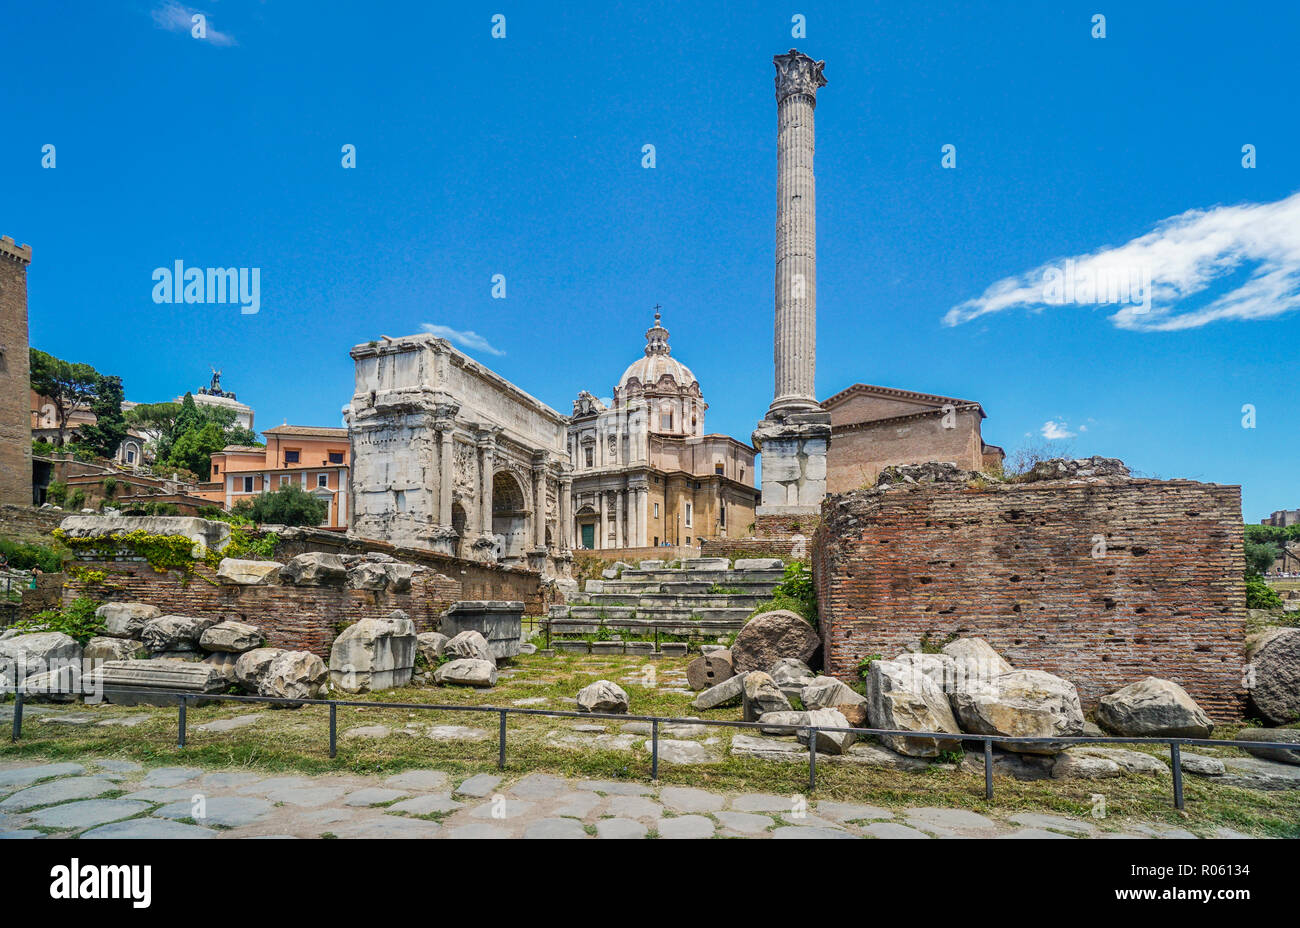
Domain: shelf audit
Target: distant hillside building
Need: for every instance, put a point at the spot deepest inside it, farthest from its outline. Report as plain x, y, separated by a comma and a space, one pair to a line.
875, 427
318, 459
213, 395
15, 376
1282, 518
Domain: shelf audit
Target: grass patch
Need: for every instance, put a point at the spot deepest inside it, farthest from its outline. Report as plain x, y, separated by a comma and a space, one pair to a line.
297, 741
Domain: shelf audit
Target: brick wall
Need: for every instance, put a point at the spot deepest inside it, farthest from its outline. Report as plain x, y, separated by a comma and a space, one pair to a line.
788, 537
28, 524
1014, 564
294, 617
784, 548
15, 411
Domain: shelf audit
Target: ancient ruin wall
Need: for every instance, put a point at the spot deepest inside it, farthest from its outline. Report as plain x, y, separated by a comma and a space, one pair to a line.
29, 524
1022, 565
293, 617
476, 580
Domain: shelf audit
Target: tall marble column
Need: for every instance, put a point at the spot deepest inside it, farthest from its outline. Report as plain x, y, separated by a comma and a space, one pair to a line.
444, 537
539, 501
795, 434
619, 534
487, 453
565, 541
602, 531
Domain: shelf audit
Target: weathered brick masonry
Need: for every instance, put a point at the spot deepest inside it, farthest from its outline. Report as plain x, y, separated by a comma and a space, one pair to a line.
15, 397
29, 524
1015, 564
295, 617
786, 537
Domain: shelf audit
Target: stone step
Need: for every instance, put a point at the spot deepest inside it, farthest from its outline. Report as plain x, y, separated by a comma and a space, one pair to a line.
704, 576
710, 628
659, 613
696, 601
639, 588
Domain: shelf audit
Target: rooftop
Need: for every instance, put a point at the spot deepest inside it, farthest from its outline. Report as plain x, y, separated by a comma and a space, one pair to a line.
316, 431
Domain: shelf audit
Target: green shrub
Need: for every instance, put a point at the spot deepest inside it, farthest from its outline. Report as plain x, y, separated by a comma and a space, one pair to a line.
864, 665
56, 493
795, 592
1259, 595
25, 557
287, 505
76, 620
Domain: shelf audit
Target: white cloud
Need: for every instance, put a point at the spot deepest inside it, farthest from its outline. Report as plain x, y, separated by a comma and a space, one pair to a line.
1183, 255
466, 339
177, 18
1054, 431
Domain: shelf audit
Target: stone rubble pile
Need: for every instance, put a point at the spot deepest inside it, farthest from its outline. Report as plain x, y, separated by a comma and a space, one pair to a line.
968, 688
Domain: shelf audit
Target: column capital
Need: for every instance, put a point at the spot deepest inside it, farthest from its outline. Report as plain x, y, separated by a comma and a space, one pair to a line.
796, 73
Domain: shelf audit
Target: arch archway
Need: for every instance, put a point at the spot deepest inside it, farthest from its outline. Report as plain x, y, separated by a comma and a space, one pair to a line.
509, 514
458, 522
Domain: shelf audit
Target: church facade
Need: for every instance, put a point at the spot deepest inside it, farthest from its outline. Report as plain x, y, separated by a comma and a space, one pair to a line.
645, 472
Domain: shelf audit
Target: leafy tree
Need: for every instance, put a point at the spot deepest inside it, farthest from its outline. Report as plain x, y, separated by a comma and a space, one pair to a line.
1260, 557
104, 437
154, 419
288, 505
187, 432
194, 448
69, 386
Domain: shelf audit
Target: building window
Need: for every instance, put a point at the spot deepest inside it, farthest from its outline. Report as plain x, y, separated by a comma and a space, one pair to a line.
336, 457
688, 513
591, 456
717, 469
322, 480
248, 484
216, 468
656, 541
666, 421
741, 478
291, 457
284, 480
722, 514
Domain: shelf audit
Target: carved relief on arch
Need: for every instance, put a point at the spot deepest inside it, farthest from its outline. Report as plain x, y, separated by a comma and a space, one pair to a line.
466, 470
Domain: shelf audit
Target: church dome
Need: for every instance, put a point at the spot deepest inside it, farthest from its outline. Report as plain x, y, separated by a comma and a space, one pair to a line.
658, 361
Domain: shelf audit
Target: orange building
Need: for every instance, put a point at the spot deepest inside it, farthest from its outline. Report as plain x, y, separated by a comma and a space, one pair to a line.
317, 459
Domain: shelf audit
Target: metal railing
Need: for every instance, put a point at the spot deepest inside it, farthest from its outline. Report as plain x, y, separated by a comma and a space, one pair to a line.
1175, 744
716, 625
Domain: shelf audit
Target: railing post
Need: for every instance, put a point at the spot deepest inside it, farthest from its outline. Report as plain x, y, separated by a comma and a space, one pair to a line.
654, 750
988, 768
180, 725
1176, 761
18, 713
334, 730
501, 753
812, 760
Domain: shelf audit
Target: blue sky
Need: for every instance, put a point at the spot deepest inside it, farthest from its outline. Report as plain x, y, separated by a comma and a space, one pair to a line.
522, 156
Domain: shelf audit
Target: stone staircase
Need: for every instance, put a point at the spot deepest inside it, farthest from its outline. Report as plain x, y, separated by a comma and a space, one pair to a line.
651, 593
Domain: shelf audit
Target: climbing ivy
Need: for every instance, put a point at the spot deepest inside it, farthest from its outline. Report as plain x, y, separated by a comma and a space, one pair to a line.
162, 552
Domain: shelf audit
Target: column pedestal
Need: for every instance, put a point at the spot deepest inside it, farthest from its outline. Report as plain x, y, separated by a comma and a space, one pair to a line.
794, 463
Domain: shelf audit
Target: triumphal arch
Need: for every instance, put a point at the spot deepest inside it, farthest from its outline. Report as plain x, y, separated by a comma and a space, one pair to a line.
449, 456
